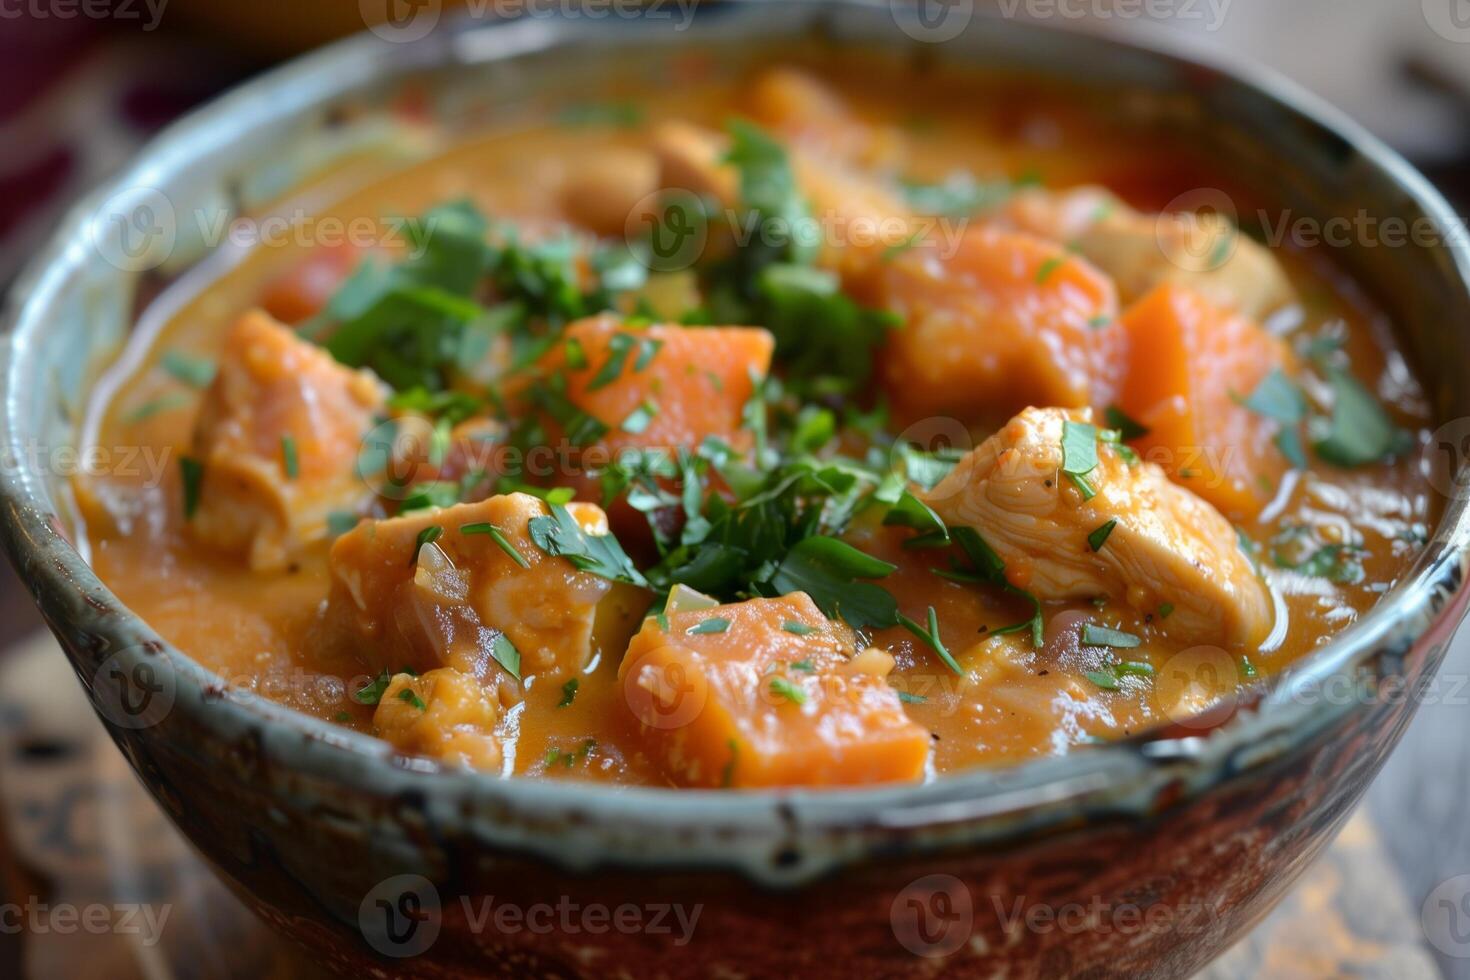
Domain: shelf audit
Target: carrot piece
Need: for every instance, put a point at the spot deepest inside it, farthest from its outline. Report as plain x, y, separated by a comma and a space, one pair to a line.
1190, 363
767, 693
1009, 320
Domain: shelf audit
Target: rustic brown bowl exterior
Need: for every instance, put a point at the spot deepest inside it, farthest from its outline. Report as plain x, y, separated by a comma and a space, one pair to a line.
1145, 858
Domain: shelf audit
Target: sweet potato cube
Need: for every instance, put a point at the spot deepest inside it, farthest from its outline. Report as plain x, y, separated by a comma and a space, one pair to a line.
659, 386
1009, 320
768, 692
1190, 364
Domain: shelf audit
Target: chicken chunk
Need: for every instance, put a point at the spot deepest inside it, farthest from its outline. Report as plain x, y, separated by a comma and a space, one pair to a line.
1204, 251
278, 436
1168, 548
465, 587
1009, 320
767, 692
444, 714
603, 194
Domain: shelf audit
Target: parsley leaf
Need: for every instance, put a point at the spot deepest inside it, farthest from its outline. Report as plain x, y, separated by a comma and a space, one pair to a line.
1359, 431
1094, 635
1079, 454
506, 655
559, 534
1099, 537
829, 571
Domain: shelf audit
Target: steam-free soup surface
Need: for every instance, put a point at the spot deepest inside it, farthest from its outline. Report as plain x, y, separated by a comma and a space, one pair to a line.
762, 431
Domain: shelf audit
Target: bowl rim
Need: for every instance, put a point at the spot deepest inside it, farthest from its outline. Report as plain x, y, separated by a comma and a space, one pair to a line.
1118, 773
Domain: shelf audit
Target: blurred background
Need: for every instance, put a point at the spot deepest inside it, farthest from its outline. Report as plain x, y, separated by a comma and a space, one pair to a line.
84, 83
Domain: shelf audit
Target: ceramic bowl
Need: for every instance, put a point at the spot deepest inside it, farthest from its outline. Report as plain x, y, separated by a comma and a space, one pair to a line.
375, 862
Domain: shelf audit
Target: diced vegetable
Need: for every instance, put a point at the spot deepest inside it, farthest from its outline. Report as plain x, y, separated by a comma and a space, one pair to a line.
1192, 368
757, 703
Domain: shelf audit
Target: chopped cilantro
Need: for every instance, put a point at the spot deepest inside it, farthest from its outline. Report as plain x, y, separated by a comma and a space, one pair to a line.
1079, 455
163, 403
568, 693
372, 692
1127, 427
410, 696
828, 570
1359, 432
788, 690
498, 536
800, 629
640, 418
619, 347
1102, 636
576, 354
192, 471
196, 372
930, 638
1102, 679
1047, 268
1099, 537
290, 461
506, 655
715, 624
1165, 610
559, 534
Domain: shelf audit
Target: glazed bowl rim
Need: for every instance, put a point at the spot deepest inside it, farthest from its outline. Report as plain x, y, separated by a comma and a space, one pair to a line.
65, 586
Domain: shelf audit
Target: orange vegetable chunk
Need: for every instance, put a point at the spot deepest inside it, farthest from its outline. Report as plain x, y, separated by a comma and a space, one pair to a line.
768, 692
679, 384
1189, 365
1009, 320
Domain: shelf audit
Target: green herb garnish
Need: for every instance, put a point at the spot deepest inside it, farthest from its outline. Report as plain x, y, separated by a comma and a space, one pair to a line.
715, 624
192, 471
196, 372
786, 689
506, 655
498, 536
1102, 636
1099, 537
